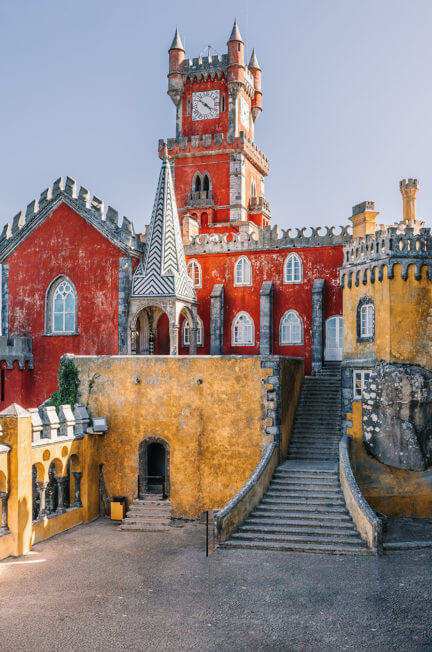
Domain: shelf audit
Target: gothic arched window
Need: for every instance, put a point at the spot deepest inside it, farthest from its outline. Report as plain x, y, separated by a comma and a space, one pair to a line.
197, 183
194, 271
291, 328
61, 307
206, 183
293, 269
186, 332
243, 272
253, 190
243, 330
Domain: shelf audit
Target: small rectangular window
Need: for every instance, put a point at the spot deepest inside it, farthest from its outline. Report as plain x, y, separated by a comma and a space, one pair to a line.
188, 106
222, 103
359, 379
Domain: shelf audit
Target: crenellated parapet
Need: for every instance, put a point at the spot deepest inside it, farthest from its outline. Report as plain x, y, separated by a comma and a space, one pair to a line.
17, 349
366, 258
91, 208
192, 145
50, 425
269, 238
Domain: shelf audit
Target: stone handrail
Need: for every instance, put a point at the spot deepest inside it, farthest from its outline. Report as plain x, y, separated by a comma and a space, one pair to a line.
248, 496
365, 519
50, 426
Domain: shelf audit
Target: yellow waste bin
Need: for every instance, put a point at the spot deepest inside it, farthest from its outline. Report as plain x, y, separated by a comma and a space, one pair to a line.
118, 508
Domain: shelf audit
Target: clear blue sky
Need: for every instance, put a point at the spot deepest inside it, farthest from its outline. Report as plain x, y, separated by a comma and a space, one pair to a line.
347, 97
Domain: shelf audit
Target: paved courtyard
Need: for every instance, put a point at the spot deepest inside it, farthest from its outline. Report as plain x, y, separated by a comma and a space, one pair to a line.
96, 588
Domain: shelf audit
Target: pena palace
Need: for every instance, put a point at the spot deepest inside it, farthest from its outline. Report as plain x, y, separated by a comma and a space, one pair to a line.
247, 288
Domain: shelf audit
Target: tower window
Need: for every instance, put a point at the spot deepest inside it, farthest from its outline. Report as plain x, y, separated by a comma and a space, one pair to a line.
243, 272
206, 183
222, 103
186, 333
253, 190
194, 271
291, 328
293, 269
365, 320
188, 106
238, 47
242, 331
197, 183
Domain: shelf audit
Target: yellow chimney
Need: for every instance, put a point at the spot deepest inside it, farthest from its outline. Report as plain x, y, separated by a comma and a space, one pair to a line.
409, 189
363, 219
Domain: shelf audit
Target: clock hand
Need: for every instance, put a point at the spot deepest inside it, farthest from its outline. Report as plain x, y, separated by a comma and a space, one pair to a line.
210, 108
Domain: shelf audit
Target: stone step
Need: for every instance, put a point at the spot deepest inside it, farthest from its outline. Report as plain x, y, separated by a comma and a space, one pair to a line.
306, 514
162, 522
294, 481
302, 507
312, 457
336, 549
297, 538
139, 527
305, 473
299, 523
292, 530
277, 499
148, 501
325, 492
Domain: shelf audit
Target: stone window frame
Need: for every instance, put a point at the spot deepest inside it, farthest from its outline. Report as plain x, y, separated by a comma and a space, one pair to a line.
49, 307
234, 341
288, 259
200, 332
193, 262
222, 103
142, 451
362, 303
357, 395
188, 106
253, 188
245, 281
284, 316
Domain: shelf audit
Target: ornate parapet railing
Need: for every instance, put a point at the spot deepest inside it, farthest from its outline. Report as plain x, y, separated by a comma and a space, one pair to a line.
245, 500
365, 519
369, 256
268, 238
67, 423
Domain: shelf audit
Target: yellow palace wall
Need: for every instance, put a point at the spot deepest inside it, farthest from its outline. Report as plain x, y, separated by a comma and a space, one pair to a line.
403, 318
212, 411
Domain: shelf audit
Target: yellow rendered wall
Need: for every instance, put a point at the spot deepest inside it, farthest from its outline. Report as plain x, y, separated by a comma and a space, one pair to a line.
403, 319
391, 491
212, 411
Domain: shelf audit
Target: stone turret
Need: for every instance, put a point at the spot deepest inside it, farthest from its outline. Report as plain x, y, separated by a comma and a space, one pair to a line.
409, 189
255, 70
236, 65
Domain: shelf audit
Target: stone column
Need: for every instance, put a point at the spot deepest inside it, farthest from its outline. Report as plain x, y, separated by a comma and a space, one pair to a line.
216, 319
173, 333
317, 324
61, 485
77, 475
266, 318
4, 495
42, 507
193, 340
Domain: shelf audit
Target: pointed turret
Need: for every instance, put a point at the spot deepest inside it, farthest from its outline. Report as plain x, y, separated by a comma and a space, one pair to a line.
175, 73
253, 63
235, 34
163, 271
255, 71
177, 43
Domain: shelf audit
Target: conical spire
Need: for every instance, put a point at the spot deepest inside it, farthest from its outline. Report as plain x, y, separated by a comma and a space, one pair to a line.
163, 272
235, 34
177, 44
253, 63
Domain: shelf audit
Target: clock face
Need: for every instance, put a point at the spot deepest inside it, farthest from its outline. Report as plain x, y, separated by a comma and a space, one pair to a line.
244, 112
205, 105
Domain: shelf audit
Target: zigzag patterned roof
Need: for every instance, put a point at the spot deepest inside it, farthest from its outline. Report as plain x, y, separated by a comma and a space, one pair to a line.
163, 272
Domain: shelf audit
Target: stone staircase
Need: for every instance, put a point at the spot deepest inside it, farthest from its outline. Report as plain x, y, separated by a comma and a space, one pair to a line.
304, 507
149, 514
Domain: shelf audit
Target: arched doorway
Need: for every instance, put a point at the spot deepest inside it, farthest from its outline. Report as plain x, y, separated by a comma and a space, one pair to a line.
152, 332
153, 471
334, 338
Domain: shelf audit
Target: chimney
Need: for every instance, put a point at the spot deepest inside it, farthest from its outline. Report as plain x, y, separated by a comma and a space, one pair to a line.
409, 189
363, 219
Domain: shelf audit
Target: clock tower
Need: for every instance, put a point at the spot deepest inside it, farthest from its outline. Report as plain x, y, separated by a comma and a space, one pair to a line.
218, 170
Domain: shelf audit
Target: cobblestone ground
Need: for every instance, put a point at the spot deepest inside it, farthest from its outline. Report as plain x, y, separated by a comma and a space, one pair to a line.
96, 588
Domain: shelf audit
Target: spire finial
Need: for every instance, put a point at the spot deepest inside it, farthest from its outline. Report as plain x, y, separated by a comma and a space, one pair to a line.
177, 44
253, 63
235, 34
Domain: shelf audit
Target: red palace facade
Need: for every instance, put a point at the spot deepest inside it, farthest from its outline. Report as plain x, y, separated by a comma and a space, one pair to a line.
68, 264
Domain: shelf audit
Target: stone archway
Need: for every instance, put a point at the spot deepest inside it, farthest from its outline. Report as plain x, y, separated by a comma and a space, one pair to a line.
153, 466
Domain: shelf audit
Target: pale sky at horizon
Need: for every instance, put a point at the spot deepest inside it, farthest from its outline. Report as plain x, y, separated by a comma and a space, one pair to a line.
346, 96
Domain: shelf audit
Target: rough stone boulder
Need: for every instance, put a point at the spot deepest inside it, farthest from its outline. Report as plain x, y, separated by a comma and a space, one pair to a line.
397, 415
